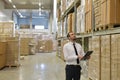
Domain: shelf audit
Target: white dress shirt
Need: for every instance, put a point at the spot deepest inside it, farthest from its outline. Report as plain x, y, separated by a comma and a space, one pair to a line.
69, 53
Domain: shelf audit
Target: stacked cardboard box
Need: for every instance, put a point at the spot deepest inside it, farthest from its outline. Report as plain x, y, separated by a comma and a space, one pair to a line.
2, 54
45, 46
105, 57
71, 22
7, 28
49, 46
88, 5
112, 11
88, 21
115, 57
97, 12
94, 62
24, 46
88, 16
12, 56
107, 12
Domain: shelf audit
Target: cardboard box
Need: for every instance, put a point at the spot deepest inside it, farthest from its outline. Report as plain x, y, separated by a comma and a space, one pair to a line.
73, 22
12, 55
2, 60
103, 13
110, 12
94, 62
24, 46
88, 5
115, 57
105, 57
45, 45
7, 28
3, 46
88, 21
69, 22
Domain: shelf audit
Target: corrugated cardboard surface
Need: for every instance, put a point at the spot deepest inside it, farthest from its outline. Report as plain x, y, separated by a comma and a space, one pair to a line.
3, 47
88, 21
94, 62
103, 13
7, 28
45, 46
107, 12
88, 5
2, 60
115, 57
113, 7
105, 57
2, 54
69, 22
88, 15
24, 46
73, 22
12, 56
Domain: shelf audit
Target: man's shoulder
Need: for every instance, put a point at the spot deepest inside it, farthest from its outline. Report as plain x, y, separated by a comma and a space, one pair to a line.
78, 44
67, 44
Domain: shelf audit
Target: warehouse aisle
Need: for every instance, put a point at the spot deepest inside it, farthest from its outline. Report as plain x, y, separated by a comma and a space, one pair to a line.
42, 66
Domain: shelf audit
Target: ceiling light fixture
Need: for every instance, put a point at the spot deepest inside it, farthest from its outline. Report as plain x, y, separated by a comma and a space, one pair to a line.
10, 1
39, 4
14, 6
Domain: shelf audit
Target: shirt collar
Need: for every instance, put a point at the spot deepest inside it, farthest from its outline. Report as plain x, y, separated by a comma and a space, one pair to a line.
72, 42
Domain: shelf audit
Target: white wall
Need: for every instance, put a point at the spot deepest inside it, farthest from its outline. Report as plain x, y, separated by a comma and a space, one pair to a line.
5, 15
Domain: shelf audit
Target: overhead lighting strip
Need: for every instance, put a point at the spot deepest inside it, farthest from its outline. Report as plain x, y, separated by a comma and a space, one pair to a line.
16, 8
10, 1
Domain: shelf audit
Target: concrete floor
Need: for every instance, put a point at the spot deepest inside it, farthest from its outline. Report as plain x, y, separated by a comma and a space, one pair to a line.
41, 66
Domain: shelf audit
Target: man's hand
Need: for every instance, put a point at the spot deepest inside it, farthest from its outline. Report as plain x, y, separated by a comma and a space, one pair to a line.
80, 57
88, 57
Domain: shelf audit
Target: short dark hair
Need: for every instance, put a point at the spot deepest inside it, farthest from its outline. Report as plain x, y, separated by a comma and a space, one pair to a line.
68, 35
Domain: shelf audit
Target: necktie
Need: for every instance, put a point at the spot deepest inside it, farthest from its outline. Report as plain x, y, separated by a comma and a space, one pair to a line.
76, 52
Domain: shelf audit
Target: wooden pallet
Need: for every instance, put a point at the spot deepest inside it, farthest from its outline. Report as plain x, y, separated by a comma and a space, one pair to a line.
10, 66
106, 27
89, 31
90, 79
2, 68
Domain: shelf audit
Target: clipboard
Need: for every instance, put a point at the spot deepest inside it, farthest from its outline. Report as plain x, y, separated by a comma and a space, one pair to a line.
86, 55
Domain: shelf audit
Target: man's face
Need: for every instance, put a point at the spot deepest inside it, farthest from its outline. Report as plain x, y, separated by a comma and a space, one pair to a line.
72, 36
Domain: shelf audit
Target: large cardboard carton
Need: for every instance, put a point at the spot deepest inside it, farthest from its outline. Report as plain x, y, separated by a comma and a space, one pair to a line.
115, 57
105, 57
3, 46
94, 62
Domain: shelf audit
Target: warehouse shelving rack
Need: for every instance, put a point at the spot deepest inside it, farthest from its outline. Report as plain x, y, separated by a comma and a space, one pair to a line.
84, 36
